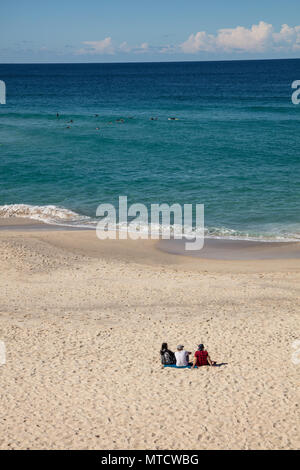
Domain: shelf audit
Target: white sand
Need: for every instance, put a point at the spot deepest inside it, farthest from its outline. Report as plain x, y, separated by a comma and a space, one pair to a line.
83, 333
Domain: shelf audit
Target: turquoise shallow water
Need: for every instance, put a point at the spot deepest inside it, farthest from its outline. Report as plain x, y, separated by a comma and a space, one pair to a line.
235, 146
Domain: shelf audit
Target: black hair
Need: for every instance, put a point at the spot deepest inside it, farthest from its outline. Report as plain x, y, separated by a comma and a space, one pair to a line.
164, 346
200, 347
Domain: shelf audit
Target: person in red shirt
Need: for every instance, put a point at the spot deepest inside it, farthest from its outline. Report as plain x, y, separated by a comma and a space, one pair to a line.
202, 358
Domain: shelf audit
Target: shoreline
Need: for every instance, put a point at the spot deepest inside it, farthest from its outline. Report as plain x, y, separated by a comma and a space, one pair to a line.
213, 249
230, 250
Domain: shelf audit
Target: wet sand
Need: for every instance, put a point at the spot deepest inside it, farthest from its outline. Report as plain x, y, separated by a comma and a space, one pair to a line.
234, 249
215, 249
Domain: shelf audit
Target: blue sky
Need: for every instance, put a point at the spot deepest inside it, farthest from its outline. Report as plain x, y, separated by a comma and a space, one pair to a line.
142, 31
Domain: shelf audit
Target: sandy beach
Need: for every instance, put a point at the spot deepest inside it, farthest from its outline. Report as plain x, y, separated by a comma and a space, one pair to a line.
83, 322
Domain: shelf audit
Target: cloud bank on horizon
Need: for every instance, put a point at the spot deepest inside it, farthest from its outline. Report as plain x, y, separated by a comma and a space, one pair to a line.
258, 38
105, 46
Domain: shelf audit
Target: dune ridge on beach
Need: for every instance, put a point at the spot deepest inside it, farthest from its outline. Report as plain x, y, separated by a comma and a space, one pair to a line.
83, 322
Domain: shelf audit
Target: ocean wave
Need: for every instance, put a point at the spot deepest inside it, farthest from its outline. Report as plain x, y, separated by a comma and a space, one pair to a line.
54, 215
49, 214
230, 234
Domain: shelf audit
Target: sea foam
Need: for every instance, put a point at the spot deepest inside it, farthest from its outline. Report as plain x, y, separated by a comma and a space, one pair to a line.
54, 215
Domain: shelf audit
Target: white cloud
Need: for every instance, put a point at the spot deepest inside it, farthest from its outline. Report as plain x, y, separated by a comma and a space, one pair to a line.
124, 47
200, 41
105, 46
169, 49
288, 36
98, 47
259, 38
144, 47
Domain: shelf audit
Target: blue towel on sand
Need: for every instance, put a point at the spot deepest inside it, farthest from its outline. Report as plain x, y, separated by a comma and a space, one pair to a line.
178, 367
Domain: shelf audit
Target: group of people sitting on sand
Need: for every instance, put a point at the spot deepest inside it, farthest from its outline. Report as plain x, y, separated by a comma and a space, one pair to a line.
181, 357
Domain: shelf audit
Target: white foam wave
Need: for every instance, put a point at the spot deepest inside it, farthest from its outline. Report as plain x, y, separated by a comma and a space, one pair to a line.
48, 214
54, 215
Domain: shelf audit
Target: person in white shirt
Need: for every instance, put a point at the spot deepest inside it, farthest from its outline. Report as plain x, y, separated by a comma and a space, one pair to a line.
182, 356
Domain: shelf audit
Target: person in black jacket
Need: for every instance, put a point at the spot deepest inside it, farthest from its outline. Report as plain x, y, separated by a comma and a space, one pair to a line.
167, 356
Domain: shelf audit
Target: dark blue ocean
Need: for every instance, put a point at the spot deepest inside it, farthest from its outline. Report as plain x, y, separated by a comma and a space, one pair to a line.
235, 146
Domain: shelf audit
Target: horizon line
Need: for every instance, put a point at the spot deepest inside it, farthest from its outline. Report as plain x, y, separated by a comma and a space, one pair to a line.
148, 62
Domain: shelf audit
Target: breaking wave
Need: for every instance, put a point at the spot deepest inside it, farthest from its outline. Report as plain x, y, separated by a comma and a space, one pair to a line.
53, 215
47, 214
